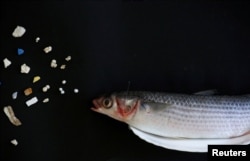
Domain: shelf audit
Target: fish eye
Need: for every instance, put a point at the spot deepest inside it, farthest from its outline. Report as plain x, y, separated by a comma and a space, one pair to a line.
107, 103
129, 107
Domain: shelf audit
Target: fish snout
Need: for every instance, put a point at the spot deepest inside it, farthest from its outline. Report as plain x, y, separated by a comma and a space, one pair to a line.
97, 103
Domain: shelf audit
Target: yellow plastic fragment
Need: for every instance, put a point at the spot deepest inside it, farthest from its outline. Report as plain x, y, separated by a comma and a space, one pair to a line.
36, 78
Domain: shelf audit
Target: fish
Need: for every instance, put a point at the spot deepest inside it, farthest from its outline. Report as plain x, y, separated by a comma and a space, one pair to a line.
183, 122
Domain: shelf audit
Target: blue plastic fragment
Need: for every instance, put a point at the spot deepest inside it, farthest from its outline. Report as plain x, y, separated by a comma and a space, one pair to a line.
20, 51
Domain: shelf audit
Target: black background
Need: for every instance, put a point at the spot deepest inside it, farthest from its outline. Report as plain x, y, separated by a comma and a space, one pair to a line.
174, 46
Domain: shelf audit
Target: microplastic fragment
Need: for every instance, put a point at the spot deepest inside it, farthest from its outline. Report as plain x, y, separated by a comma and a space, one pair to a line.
63, 66
11, 116
28, 91
25, 69
76, 90
31, 101
47, 49
14, 95
20, 51
19, 31
61, 90
6, 62
14, 142
46, 100
46, 88
68, 58
53, 63
64, 81
36, 78
37, 39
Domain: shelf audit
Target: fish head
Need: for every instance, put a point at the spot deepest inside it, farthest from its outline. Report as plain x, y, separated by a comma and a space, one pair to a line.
120, 108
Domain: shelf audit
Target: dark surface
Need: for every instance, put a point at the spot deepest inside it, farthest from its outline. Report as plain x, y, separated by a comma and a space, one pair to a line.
173, 47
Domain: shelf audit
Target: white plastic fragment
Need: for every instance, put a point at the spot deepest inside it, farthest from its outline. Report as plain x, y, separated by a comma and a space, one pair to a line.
46, 88
64, 81
14, 142
47, 49
25, 69
11, 116
53, 63
63, 66
61, 90
37, 39
6, 62
46, 100
68, 58
19, 31
14, 95
31, 101
76, 90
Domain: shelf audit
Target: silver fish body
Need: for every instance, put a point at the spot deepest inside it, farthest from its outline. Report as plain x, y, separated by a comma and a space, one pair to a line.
191, 116
180, 121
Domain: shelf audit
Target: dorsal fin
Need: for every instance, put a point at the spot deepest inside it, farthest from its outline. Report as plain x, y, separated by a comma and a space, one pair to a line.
189, 145
207, 92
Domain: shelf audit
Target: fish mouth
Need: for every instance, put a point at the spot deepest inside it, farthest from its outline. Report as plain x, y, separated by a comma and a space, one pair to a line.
97, 104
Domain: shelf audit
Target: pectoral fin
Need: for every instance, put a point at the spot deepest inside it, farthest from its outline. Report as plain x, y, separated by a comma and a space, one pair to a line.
189, 145
155, 107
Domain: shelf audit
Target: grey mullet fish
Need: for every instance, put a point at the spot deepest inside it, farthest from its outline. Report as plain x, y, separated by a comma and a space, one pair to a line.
181, 121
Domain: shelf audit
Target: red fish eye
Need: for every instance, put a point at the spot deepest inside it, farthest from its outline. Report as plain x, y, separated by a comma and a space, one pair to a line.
107, 103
